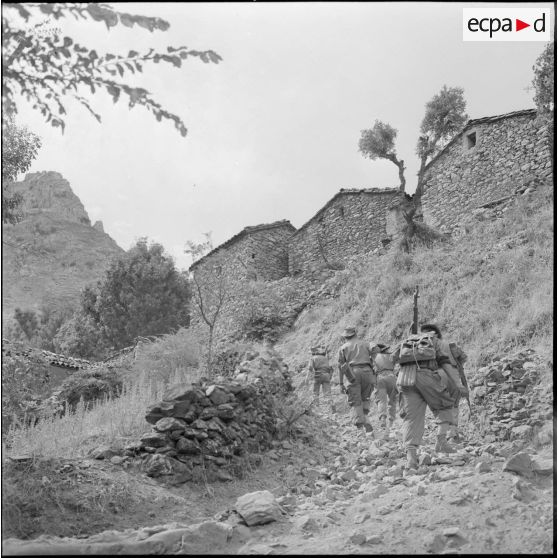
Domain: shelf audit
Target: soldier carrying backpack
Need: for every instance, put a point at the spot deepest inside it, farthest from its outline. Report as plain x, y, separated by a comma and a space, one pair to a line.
319, 366
426, 378
355, 361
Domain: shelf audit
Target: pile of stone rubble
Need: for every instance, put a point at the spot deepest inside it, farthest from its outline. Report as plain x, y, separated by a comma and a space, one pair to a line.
510, 400
207, 430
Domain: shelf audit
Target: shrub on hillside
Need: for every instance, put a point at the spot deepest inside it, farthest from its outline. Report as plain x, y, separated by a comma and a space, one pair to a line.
89, 385
23, 385
142, 294
268, 309
81, 337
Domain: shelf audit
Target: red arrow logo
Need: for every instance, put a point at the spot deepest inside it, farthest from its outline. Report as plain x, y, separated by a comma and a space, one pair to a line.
519, 25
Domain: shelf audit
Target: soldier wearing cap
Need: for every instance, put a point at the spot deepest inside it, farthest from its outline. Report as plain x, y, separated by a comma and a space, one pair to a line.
386, 389
319, 366
356, 364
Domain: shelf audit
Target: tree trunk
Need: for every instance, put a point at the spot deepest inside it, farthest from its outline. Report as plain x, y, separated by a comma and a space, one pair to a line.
418, 191
210, 349
401, 166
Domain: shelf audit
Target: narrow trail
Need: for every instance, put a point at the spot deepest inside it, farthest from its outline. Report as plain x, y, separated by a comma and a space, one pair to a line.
350, 496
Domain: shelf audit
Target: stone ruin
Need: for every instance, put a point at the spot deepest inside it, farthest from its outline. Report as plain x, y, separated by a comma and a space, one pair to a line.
208, 430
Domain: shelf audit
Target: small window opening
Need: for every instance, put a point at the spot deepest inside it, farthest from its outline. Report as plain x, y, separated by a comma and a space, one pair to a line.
341, 211
253, 256
471, 140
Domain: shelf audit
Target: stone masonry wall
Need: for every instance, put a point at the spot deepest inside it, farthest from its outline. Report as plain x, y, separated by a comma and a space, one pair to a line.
353, 223
260, 253
207, 430
508, 151
257, 254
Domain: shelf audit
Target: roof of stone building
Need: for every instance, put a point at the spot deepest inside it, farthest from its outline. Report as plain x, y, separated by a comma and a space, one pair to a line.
345, 191
10, 348
13, 348
244, 232
484, 120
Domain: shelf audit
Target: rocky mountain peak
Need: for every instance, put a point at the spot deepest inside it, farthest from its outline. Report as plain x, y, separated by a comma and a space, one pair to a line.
49, 192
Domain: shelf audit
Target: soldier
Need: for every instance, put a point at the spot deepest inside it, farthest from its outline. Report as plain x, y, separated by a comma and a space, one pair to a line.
355, 363
457, 359
386, 390
428, 386
319, 366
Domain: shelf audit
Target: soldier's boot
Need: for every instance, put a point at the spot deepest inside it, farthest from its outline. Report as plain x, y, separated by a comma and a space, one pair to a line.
442, 444
412, 459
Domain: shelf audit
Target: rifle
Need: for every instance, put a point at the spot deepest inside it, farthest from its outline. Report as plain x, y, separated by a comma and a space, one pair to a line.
414, 326
461, 371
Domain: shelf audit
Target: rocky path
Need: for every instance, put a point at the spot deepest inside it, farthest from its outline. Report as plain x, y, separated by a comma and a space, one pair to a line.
351, 496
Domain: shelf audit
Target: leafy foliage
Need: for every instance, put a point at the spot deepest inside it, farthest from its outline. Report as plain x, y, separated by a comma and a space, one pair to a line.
81, 337
45, 67
38, 329
27, 321
268, 310
543, 82
445, 116
22, 385
379, 143
19, 149
89, 385
141, 294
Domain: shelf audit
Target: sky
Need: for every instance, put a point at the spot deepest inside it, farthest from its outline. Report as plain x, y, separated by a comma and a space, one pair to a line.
273, 129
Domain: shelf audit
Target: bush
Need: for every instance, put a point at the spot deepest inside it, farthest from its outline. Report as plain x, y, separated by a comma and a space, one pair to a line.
24, 383
89, 385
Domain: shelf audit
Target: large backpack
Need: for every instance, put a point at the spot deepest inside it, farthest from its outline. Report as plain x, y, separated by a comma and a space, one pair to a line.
417, 348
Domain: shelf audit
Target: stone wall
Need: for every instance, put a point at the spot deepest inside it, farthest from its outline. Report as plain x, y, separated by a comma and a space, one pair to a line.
206, 430
238, 268
510, 150
352, 223
256, 253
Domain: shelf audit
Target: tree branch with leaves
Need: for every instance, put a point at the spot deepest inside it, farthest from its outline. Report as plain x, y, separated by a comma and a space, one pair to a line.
46, 68
379, 143
445, 117
19, 148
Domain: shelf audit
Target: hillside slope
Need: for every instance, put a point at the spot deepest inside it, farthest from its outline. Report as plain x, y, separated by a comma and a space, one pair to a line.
54, 251
490, 290
342, 491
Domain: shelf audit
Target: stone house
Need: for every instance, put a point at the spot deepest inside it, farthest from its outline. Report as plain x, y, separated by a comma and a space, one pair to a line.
484, 163
255, 253
353, 222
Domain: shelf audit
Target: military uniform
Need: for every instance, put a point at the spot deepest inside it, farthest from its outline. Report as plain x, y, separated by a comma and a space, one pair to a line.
433, 388
457, 358
355, 364
386, 390
319, 366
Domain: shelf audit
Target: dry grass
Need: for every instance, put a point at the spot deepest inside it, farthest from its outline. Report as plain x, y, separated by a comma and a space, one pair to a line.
489, 291
113, 421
